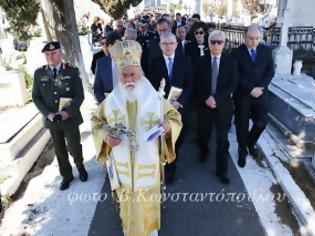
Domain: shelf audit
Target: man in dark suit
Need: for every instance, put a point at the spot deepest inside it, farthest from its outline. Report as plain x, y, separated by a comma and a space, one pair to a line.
106, 72
154, 49
178, 22
255, 68
176, 70
216, 79
181, 36
106, 41
56, 84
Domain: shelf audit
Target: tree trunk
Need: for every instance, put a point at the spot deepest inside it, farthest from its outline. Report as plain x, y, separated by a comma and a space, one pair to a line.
60, 24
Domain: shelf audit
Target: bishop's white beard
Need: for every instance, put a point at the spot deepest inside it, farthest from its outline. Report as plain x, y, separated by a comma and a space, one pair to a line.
131, 91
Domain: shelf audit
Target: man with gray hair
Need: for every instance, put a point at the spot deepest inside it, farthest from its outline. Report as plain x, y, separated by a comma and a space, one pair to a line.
154, 51
214, 85
255, 69
130, 34
58, 94
175, 68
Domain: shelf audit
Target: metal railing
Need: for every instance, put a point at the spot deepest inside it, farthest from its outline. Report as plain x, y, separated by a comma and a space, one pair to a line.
302, 37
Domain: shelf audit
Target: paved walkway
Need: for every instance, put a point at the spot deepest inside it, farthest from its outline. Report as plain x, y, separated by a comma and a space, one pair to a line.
208, 217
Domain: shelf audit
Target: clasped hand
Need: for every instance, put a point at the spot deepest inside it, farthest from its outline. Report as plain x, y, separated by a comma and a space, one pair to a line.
210, 102
57, 117
256, 92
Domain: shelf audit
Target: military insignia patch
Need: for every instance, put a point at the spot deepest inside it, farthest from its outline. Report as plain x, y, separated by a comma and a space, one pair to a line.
65, 77
51, 47
44, 78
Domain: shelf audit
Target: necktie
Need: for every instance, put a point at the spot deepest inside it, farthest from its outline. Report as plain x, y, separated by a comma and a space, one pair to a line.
170, 67
54, 72
201, 47
253, 54
214, 75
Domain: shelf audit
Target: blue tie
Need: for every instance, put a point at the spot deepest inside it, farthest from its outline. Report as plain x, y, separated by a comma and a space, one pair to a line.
170, 67
253, 54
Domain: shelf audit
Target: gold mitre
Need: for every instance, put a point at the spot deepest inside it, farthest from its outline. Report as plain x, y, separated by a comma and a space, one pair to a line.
126, 53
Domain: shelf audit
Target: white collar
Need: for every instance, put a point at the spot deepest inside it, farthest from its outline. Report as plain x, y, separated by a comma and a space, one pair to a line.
166, 57
57, 67
218, 57
249, 49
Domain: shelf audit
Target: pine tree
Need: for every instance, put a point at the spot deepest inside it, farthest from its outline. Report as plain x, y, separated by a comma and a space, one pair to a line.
116, 8
21, 16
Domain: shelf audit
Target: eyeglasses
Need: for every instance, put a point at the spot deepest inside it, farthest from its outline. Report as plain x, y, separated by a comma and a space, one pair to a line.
168, 44
199, 32
219, 42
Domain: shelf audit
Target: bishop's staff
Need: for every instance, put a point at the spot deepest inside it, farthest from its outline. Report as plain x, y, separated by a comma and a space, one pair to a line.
161, 93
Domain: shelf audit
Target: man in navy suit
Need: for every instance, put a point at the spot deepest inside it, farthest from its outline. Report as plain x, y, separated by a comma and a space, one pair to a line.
216, 80
175, 68
105, 73
256, 69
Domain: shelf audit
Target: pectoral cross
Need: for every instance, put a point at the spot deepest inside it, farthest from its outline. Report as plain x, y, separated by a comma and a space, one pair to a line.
118, 117
150, 122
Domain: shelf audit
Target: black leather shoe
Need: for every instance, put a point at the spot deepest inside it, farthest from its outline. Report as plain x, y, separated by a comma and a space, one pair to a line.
223, 178
253, 151
242, 153
65, 184
83, 175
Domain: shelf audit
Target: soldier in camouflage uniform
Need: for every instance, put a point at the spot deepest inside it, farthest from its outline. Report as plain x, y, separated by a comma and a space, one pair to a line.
58, 95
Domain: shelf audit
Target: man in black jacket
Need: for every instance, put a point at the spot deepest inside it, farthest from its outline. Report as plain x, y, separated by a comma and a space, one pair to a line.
153, 49
255, 69
216, 80
176, 70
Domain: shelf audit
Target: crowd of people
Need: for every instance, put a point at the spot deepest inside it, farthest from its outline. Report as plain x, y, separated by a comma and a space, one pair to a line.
142, 62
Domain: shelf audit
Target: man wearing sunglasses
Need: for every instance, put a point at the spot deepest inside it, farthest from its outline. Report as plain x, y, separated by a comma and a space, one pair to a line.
255, 68
216, 79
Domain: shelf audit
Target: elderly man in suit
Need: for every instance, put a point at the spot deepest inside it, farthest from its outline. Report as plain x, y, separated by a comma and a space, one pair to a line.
175, 68
216, 79
255, 68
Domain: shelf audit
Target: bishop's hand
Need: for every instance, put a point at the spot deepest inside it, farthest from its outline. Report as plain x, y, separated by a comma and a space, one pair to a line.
112, 141
166, 126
